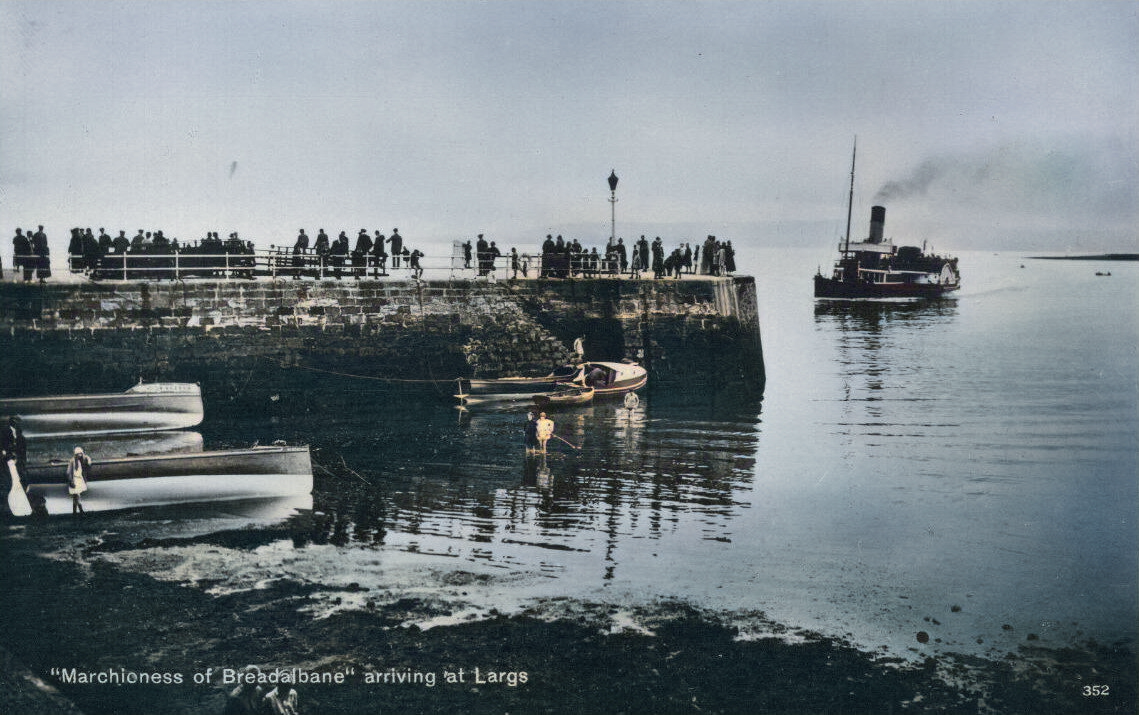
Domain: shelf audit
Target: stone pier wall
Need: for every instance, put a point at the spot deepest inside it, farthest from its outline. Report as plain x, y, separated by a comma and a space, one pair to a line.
78, 337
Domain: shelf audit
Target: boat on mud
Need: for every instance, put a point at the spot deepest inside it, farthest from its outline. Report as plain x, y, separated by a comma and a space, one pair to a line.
606, 378
876, 268
176, 478
146, 407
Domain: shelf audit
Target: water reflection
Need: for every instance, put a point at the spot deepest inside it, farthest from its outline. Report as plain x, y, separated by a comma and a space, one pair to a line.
466, 488
885, 360
114, 445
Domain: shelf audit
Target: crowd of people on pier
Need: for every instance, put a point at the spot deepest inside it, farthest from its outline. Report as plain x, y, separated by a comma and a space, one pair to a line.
561, 258
31, 255
335, 258
151, 254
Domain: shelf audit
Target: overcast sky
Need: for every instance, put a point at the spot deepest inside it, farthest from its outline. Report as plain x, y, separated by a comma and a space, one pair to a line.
980, 124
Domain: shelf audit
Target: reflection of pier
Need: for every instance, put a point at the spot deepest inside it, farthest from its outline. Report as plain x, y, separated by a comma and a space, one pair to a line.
640, 476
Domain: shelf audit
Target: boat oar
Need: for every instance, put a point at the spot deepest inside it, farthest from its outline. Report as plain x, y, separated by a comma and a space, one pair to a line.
17, 500
566, 441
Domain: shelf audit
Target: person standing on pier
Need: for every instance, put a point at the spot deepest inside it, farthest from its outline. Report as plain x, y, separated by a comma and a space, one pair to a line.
339, 254
658, 258
413, 261
481, 251
360, 254
22, 254
43, 259
379, 255
300, 248
322, 249
492, 256
395, 244
708, 262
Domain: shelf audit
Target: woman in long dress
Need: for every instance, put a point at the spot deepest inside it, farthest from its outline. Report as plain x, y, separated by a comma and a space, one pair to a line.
78, 472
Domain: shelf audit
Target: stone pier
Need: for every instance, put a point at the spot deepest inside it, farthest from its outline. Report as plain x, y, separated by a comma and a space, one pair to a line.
78, 337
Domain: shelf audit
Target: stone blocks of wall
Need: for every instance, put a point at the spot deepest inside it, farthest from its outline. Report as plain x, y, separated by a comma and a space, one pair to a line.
680, 330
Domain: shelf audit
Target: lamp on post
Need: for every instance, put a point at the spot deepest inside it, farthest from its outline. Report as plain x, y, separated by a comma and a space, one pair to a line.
613, 205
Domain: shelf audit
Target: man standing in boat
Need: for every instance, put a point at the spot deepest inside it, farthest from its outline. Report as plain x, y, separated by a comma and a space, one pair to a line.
545, 431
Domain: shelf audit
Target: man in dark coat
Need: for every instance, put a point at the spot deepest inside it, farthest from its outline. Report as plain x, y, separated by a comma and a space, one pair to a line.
75, 251
91, 251
22, 254
481, 250
338, 254
708, 262
300, 248
492, 255
105, 242
395, 244
530, 432
43, 260
360, 254
379, 255
658, 258
548, 249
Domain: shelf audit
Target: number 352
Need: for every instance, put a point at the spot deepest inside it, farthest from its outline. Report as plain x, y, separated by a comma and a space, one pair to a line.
1095, 691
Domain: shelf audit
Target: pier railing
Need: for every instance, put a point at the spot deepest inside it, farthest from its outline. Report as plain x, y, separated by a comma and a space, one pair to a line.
277, 262
285, 262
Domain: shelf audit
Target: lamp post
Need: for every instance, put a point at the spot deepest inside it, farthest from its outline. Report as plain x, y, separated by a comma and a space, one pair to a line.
613, 206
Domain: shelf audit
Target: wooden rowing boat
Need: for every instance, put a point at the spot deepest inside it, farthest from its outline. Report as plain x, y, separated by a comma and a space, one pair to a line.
143, 408
179, 478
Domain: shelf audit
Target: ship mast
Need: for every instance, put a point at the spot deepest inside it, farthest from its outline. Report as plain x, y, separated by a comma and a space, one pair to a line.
850, 199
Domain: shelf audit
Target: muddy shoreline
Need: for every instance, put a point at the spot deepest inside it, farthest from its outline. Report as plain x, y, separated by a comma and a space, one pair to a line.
98, 620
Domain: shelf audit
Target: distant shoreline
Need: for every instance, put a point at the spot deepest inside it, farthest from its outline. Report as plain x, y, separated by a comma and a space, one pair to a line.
1099, 257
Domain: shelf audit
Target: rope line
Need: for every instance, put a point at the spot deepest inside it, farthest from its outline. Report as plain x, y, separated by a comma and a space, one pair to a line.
366, 377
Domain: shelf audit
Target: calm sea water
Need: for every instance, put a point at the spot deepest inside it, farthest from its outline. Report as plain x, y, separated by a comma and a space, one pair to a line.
965, 468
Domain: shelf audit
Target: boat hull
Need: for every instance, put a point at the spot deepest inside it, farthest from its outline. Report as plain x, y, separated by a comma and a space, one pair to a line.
617, 378
830, 288
143, 408
564, 398
127, 482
